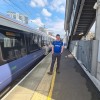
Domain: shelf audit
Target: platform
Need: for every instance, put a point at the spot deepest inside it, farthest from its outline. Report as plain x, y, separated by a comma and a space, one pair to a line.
34, 86
71, 84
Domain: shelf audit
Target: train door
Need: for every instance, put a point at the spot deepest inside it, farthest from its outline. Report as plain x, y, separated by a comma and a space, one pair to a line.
32, 42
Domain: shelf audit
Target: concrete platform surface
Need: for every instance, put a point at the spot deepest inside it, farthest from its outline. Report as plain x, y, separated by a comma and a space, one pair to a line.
35, 86
72, 83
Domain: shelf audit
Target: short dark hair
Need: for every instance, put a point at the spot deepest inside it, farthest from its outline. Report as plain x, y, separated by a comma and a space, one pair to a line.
57, 35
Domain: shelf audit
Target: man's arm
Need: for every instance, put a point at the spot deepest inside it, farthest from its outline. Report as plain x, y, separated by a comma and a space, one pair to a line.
62, 48
52, 49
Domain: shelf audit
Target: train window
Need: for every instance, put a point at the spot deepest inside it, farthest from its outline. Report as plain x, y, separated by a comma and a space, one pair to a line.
9, 42
39, 41
2, 36
36, 39
30, 39
13, 45
42, 43
33, 43
45, 40
33, 38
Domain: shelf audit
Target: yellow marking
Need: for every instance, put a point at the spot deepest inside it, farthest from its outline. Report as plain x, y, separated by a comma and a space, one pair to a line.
52, 86
38, 96
41, 95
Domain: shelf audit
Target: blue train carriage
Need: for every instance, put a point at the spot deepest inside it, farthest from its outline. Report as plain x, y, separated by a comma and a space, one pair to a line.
20, 46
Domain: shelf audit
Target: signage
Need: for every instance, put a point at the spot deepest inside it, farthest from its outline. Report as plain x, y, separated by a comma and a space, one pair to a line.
10, 33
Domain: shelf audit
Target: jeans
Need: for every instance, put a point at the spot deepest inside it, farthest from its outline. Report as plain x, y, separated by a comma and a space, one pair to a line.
54, 57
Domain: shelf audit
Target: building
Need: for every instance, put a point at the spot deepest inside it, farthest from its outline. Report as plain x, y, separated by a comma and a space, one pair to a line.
18, 16
42, 29
79, 17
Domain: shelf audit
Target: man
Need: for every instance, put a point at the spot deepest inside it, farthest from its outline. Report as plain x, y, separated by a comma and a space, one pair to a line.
57, 49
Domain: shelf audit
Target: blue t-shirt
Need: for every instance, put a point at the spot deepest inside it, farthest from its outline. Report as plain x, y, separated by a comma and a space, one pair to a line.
57, 46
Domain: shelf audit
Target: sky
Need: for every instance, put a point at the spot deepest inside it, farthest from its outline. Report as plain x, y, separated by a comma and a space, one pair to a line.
48, 13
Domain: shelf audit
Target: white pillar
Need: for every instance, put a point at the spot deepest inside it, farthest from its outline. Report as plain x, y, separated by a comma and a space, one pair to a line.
97, 28
95, 63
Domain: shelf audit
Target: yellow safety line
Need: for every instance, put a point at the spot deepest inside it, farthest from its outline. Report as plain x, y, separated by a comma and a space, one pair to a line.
52, 86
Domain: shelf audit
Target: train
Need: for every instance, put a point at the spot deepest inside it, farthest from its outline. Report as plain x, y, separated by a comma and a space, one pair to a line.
20, 46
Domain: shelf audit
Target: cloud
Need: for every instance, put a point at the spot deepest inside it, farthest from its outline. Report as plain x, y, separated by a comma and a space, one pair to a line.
61, 9
38, 3
36, 21
56, 26
45, 12
58, 5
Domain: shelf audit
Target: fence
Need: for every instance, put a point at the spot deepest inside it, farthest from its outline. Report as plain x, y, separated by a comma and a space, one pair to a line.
82, 50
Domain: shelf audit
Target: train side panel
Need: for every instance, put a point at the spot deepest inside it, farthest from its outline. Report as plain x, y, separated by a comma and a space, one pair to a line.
5, 76
21, 64
10, 71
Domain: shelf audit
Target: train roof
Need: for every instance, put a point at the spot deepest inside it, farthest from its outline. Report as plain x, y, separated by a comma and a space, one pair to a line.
12, 23
52, 37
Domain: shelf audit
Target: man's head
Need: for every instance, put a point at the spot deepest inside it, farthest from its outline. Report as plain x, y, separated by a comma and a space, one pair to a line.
57, 37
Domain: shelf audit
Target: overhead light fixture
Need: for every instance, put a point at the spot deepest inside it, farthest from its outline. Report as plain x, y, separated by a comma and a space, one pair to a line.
81, 33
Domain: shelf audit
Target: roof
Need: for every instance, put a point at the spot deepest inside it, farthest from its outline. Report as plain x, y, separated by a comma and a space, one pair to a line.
84, 18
